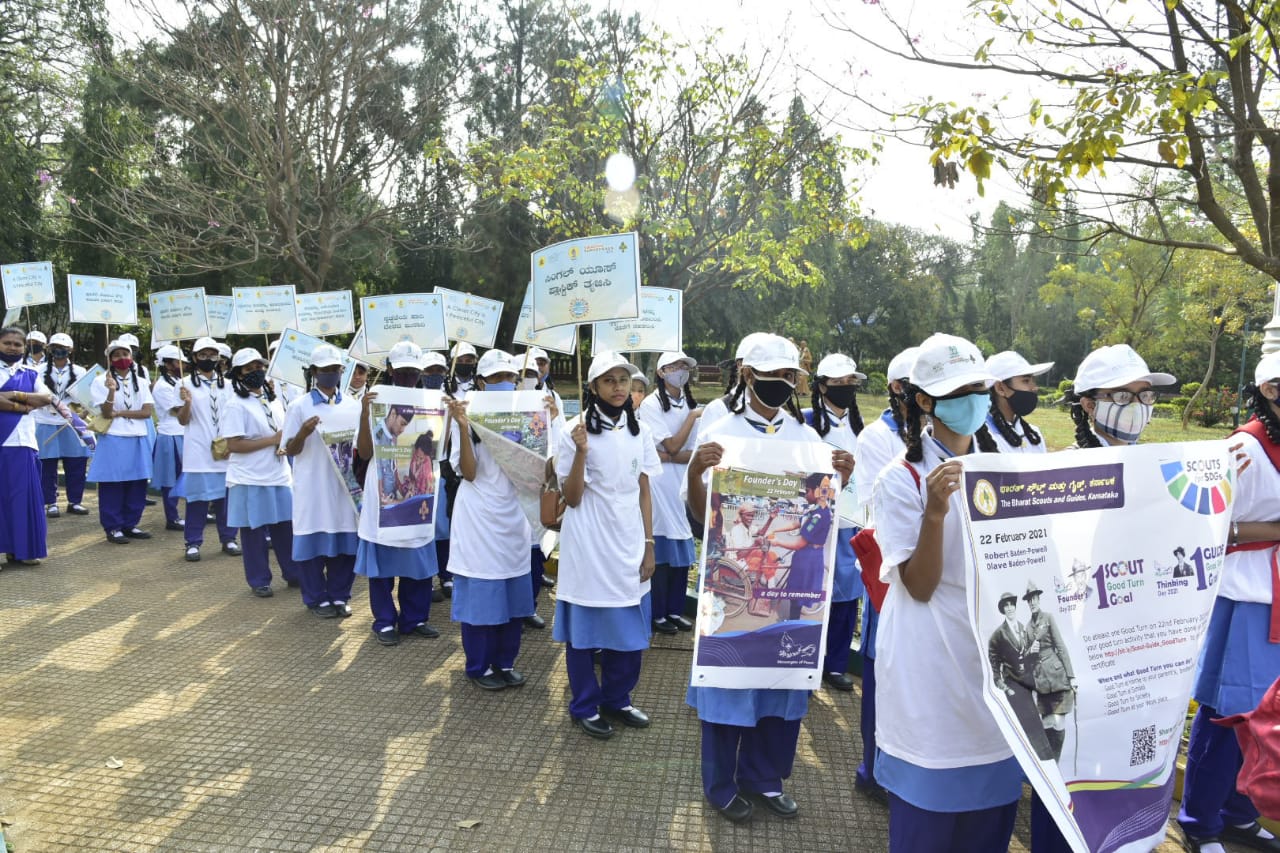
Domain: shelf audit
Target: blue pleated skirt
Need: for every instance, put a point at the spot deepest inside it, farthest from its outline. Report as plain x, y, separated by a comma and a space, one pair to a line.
746, 707
121, 459
22, 523
59, 442
256, 506
1237, 662
308, 546
201, 486
388, 561
621, 629
672, 552
166, 461
478, 601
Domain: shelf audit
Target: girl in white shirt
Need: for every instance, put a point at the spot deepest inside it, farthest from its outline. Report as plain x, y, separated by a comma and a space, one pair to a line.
606, 549
56, 440
173, 405
22, 525
259, 482
1013, 397
122, 464
325, 524
204, 478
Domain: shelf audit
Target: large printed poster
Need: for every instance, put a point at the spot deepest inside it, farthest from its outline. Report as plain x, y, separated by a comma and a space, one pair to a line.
408, 428
766, 569
1091, 578
514, 428
342, 453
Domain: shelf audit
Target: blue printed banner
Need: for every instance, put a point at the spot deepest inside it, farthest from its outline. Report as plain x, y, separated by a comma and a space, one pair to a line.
387, 320
95, 299
659, 328
28, 284
473, 319
178, 315
586, 280
263, 310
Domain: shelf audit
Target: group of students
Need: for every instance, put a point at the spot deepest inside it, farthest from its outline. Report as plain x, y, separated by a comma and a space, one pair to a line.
634, 477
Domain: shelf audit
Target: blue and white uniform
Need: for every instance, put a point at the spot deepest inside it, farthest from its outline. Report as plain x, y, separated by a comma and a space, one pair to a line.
122, 463
59, 442
204, 479
166, 457
22, 524
259, 488
673, 551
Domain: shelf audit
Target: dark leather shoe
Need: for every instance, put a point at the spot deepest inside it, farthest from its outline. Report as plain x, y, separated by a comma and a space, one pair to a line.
436, 596
662, 626
447, 589
263, 591
388, 637
681, 623
425, 630
738, 810
343, 609
232, 548
1249, 836
150, 502
324, 611
76, 509
511, 677
492, 681
872, 791
782, 805
174, 525
631, 717
548, 581
136, 533
535, 621
115, 537
598, 728
838, 680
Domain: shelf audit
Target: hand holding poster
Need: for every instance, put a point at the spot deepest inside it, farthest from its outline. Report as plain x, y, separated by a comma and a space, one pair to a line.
586, 280
264, 310
1091, 576
27, 284
763, 586
327, 313
387, 320
473, 319
659, 328
555, 338
94, 299
514, 428
408, 427
179, 315
218, 310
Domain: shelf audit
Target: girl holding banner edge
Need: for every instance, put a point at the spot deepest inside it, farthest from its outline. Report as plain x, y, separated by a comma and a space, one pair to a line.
22, 524
122, 464
56, 440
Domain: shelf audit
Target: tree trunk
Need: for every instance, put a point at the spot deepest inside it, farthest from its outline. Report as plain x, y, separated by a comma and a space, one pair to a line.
1208, 374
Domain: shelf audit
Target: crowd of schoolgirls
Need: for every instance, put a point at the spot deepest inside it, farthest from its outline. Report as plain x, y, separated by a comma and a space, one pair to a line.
211, 430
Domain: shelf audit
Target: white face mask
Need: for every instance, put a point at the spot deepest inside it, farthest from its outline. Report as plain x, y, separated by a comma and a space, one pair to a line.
1123, 423
676, 378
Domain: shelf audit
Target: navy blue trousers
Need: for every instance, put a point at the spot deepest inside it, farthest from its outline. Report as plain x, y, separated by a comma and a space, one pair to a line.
667, 590
753, 759
844, 618
120, 505
619, 675
75, 466
257, 560
866, 775
414, 597
325, 580
491, 647
1045, 835
1209, 796
537, 568
442, 560
198, 514
916, 830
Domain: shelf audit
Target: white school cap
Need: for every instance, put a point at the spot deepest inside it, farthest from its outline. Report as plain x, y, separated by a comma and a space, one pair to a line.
772, 352
462, 348
1268, 368
431, 358
536, 353
248, 355
495, 361
900, 366
39, 337
405, 354
224, 349
129, 339
948, 362
1114, 366
169, 351
325, 355
114, 345
607, 360
204, 343
669, 358
745, 345
1008, 364
838, 364
62, 339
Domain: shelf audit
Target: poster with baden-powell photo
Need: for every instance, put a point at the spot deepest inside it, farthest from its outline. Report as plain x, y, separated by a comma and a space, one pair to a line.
1091, 577
764, 579
407, 426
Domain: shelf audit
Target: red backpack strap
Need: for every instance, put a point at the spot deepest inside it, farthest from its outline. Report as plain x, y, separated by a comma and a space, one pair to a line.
915, 475
1256, 429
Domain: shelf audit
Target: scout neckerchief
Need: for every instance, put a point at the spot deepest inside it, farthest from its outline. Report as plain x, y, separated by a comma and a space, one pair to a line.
766, 427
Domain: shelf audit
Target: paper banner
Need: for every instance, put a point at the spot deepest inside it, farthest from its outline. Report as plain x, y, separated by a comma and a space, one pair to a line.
79, 392
293, 357
585, 281
218, 309
342, 453
762, 608
27, 284
556, 338
360, 353
473, 319
659, 328
387, 320
11, 317
324, 314
178, 315
1125, 548
408, 428
263, 310
94, 299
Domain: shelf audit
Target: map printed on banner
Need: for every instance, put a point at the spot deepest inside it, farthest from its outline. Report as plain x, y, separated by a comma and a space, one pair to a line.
293, 357
178, 315
408, 428
473, 319
218, 310
762, 607
324, 314
514, 428
586, 280
28, 284
264, 310
94, 299
659, 328
555, 338
387, 320
1091, 575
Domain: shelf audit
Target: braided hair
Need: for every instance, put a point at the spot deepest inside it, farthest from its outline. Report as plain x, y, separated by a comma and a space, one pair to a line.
1263, 411
665, 400
242, 391
738, 402
822, 420
1085, 436
594, 421
1007, 432
48, 374
898, 407
915, 427
165, 375
196, 378
133, 368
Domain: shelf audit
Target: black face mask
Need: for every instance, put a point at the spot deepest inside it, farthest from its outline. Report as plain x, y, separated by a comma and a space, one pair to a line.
841, 396
36, 349
1024, 403
206, 365
405, 378
610, 411
59, 352
254, 379
772, 393
464, 371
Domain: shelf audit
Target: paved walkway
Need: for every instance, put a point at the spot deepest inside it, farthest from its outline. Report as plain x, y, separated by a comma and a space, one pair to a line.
248, 724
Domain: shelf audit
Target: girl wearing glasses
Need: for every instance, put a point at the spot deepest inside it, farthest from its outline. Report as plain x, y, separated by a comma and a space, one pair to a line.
1112, 397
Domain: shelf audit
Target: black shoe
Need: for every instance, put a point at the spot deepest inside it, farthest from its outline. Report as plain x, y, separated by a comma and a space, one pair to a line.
425, 630
662, 626
232, 548
324, 611
174, 525
597, 728
150, 502
548, 582
535, 621
681, 623
511, 677
492, 681
631, 717
76, 509
115, 537
436, 596
388, 637
838, 680
782, 805
1249, 836
738, 810
447, 589
263, 591
342, 609
192, 554
872, 791
136, 533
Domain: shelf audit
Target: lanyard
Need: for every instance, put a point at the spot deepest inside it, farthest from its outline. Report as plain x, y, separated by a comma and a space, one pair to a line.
266, 410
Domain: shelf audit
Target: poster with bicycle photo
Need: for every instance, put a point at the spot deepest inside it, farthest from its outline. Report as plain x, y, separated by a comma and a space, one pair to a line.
766, 568
407, 425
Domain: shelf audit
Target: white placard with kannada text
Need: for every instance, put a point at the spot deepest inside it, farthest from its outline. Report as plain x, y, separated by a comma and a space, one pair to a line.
219, 309
293, 357
264, 310
28, 284
469, 318
326, 313
557, 338
659, 328
178, 315
586, 280
388, 319
95, 299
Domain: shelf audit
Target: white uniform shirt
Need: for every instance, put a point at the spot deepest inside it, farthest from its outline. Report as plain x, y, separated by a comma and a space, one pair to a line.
326, 504
602, 538
489, 533
712, 412
208, 401
126, 399
1018, 425
877, 446
254, 417
24, 434
1247, 574
60, 380
929, 707
167, 399
669, 517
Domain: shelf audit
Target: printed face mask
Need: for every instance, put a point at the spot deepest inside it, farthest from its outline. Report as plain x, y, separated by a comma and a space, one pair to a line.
1123, 423
59, 352
962, 415
676, 378
773, 393
1024, 403
254, 379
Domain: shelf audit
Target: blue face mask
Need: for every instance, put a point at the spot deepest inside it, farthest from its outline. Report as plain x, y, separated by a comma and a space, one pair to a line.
500, 386
433, 381
963, 415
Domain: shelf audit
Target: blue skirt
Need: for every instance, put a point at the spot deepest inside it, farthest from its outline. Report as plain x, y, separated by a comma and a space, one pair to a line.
848, 584
746, 707
308, 546
672, 552
388, 561
442, 513
121, 459
477, 601
65, 444
952, 789
166, 461
201, 486
258, 506
1237, 662
620, 629
22, 524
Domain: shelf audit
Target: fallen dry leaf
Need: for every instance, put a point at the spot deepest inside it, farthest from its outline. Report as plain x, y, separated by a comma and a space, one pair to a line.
114, 763
468, 824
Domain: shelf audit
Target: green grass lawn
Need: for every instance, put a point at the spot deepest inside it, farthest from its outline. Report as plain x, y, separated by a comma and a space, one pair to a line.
1060, 432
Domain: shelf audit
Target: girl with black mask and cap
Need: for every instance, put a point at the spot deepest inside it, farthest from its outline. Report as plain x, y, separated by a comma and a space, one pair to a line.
1013, 397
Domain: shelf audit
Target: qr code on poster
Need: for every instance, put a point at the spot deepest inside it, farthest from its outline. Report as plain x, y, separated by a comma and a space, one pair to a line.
1144, 746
